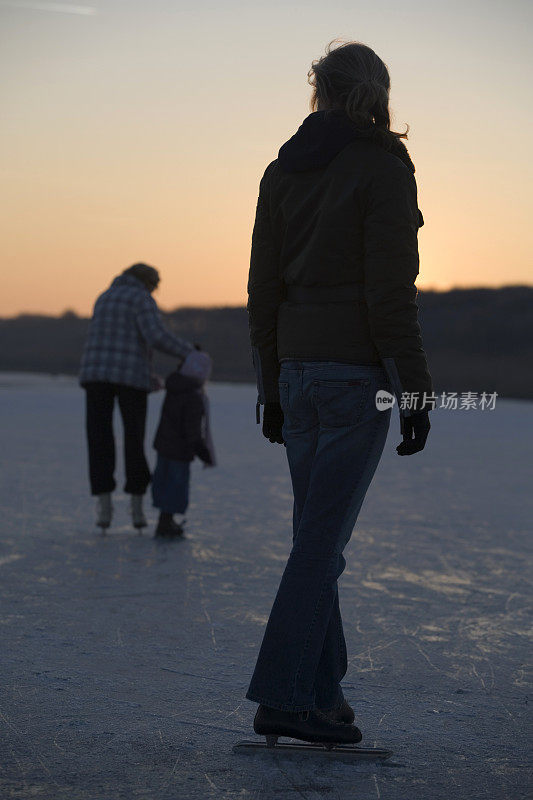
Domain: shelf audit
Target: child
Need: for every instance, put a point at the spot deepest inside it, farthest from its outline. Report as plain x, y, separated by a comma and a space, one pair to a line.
183, 433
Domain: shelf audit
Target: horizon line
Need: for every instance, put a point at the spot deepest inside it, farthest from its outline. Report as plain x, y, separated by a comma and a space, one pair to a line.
213, 306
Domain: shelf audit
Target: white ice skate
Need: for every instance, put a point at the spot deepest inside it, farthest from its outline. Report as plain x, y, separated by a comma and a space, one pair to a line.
104, 510
137, 513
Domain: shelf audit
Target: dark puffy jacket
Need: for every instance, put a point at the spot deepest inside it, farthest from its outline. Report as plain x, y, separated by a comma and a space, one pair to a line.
180, 435
335, 257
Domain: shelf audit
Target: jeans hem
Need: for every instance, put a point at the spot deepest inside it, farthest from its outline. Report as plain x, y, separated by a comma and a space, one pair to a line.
169, 510
336, 707
279, 706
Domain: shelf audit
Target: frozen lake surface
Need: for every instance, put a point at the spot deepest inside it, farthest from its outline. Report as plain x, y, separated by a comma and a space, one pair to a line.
125, 661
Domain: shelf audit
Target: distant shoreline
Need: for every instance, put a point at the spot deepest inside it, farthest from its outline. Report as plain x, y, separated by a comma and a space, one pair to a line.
426, 291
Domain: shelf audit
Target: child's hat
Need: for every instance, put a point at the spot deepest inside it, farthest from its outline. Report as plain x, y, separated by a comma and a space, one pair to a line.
198, 364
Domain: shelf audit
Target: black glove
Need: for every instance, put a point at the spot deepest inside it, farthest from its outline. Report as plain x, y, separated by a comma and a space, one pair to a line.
415, 431
272, 422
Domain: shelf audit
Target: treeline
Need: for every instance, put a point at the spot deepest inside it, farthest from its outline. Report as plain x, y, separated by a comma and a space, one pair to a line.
476, 339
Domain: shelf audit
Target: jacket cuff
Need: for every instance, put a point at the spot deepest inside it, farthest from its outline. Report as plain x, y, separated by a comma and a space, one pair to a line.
256, 359
410, 401
267, 375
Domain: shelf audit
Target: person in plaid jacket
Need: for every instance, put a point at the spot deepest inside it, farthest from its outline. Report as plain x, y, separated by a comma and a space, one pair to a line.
116, 363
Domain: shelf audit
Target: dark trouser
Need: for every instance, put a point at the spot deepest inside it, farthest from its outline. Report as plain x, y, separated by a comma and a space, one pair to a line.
100, 401
334, 436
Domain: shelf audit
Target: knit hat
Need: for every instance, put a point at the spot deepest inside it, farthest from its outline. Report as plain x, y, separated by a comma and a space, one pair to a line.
197, 364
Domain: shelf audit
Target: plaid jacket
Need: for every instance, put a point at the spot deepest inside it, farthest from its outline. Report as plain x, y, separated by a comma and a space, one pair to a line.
124, 329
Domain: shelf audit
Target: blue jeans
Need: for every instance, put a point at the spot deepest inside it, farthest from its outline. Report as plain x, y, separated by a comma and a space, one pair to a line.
170, 485
334, 437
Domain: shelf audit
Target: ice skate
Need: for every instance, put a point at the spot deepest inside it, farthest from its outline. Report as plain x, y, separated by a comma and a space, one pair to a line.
311, 726
344, 713
321, 736
104, 510
137, 513
168, 528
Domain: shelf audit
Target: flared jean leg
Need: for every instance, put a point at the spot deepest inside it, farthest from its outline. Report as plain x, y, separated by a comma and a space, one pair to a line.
343, 467
301, 449
333, 663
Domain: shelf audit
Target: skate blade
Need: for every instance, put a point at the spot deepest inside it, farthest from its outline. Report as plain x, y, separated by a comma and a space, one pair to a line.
345, 753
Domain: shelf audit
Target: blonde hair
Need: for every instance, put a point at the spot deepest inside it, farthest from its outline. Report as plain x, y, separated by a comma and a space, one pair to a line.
352, 77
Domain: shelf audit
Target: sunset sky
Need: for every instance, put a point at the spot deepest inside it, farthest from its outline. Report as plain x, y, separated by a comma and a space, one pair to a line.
138, 131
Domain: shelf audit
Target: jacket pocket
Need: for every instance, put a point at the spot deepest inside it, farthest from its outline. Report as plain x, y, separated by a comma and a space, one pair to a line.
340, 403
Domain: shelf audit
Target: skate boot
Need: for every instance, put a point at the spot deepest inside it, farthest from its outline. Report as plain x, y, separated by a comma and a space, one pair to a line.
167, 527
310, 726
344, 713
104, 510
137, 513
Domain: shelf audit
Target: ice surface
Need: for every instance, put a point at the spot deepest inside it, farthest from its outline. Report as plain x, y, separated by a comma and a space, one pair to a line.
125, 661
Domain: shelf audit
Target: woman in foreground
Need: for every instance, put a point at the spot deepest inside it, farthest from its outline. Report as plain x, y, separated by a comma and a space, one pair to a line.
335, 334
